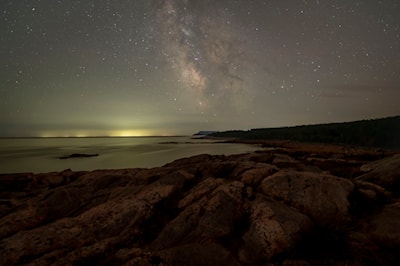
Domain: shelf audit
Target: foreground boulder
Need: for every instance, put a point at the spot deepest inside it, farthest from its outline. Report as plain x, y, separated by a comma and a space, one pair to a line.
323, 197
273, 229
385, 173
386, 226
250, 209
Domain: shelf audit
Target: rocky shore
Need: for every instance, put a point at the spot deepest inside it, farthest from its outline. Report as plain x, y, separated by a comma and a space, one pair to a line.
292, 205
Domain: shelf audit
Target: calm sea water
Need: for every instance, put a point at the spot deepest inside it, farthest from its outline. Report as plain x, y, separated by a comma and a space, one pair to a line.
40, 155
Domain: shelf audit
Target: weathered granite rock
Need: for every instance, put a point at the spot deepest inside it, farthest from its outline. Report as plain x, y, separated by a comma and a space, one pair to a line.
376, 240
386, 226
341, 167
286, 161
273, 207
211, 218
321, 196
208, 253
385, 173
295, 263
254, 176
371, 191
201, 189
274, 229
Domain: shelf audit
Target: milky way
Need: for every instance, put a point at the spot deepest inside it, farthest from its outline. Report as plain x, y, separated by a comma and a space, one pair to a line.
207, 56
179, 66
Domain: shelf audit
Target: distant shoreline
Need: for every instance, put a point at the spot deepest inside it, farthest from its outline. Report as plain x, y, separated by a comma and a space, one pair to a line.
41, 155
376, 133
96, 137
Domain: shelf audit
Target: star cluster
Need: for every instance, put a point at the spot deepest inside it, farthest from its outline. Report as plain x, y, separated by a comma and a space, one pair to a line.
177, 66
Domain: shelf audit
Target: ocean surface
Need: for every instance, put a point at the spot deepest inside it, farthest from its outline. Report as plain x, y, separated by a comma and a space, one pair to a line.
41, 155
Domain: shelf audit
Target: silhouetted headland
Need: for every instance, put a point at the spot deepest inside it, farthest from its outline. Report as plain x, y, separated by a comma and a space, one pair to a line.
378, 133
205, 133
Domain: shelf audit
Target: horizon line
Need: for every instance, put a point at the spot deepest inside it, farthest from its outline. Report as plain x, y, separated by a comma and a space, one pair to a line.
66, 137
186, 135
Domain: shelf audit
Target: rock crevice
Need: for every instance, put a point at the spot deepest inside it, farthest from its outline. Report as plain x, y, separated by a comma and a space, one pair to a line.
273, 206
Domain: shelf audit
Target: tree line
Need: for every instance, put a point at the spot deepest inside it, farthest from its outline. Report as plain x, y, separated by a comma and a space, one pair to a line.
380, 133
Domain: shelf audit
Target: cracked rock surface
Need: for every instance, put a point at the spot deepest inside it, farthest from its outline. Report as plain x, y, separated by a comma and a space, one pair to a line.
278, 207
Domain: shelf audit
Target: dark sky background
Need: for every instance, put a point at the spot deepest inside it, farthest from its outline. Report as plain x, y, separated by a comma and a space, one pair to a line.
154, 67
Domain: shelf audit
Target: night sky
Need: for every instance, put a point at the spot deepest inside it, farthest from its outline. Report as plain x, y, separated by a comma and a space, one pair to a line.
154, 67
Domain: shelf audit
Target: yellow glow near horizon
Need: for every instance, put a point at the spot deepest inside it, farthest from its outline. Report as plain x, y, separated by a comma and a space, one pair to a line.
54, 134
101, 133
130, 133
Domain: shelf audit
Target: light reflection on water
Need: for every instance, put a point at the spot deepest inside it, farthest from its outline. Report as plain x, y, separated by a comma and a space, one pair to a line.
39, 155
